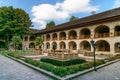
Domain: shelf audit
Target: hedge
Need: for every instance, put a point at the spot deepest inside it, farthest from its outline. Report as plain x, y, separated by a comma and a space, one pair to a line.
63, 71
63, 63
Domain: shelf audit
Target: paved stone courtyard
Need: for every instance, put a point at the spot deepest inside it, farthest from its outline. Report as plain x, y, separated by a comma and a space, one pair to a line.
111, 72
11, 70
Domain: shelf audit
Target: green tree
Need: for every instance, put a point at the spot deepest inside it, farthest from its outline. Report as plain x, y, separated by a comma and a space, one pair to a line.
16, 42
73, 18
38, 41
13, 21
50, 24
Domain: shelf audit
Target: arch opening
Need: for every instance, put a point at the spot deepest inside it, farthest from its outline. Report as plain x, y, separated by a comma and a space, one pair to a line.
117, 30
102, 31
85, 45
85, 33
72, 45
72, 34
62, 45
47, 45
54, 36
62, 36
103, 45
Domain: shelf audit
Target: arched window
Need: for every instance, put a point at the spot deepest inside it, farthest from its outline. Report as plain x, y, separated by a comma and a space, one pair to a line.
85, 33
117, 30
47, 45
102, 31
62, 36
54, 45
102, 45
54, 36
85, 45
72, 45
72, 34
62, 45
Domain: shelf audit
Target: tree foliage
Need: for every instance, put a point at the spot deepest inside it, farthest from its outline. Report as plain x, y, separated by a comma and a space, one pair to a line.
38, 41
73, 18
50, 24
13, 21
15, 42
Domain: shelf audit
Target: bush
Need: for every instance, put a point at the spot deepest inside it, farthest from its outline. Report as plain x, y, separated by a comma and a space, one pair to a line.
63, 63
60, 71
72, 69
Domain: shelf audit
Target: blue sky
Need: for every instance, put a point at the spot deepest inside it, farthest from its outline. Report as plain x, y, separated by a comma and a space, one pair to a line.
43, 11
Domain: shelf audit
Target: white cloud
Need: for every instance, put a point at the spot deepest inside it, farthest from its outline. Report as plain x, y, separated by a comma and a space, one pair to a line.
116, 4
60, 11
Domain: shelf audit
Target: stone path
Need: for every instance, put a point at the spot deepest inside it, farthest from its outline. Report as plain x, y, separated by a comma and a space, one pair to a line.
11, 70
111, 72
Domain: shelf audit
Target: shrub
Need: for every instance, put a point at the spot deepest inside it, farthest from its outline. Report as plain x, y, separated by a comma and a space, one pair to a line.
60, 71
63, 63
99, 62
72, 69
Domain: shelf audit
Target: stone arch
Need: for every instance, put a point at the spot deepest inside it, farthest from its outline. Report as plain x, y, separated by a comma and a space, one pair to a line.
72, 34
47, 45
103, 45
62, 45
62, 36
117, 47
48, 37
72, 45
85, 33
117, 30
2, 44
101, 31
54, 36
54, 45
85, 45
32, 45
32, 38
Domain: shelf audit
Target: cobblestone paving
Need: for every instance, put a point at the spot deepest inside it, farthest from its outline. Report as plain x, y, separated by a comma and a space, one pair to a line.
111, 72
11, 70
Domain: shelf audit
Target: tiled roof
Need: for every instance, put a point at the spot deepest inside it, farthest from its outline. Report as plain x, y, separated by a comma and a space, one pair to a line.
34, 31
84, 21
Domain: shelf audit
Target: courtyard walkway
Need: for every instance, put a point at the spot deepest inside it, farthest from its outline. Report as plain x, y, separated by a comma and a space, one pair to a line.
110, 72
11, 70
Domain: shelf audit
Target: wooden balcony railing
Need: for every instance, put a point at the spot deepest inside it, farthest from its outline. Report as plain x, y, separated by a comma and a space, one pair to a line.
101, 35
117, 33
84, 36
54, 39
62, 38
72, 37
